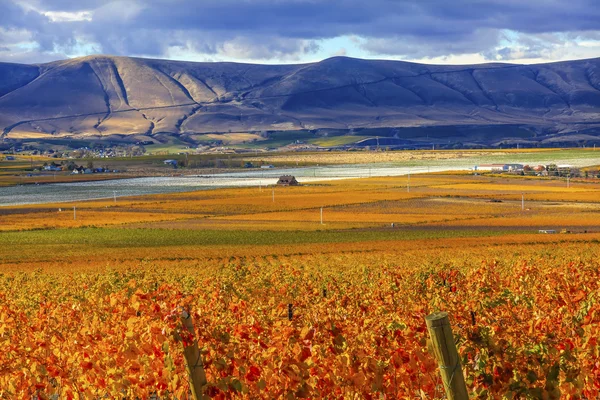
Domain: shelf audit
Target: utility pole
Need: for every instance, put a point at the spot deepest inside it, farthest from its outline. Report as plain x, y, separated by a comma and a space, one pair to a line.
522, 201
568, 183
408, 183
321, 215
273, 195
74, 213
115, 196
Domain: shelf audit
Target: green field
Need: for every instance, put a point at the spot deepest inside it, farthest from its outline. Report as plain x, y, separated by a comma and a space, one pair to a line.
124, 238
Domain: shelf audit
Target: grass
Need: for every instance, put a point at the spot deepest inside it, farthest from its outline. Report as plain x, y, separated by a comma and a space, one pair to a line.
425, 158
332, 141
149, 238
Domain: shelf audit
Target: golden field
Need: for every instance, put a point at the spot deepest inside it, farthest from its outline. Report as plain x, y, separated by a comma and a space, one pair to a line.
372, 203
387, 157
87, 305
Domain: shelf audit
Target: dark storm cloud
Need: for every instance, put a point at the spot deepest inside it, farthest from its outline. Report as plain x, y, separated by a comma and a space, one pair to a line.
275, 28
310, 19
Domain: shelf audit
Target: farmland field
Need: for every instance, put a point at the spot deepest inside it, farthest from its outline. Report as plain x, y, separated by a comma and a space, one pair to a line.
89, 302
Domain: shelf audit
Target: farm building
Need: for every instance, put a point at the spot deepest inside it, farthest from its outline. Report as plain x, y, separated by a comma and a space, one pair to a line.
499, 167
287, 180
513, 167
564, 169
489, 167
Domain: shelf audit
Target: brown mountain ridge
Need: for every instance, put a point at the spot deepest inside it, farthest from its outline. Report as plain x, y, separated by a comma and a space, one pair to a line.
106, 95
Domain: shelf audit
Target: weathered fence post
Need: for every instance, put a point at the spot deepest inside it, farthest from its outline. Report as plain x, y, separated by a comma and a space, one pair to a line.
445, 352
193, 358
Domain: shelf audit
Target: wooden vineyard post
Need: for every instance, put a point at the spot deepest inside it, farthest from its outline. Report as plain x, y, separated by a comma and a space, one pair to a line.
445, 352
193, 358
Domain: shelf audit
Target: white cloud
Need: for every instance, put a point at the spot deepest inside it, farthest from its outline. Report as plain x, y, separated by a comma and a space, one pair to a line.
64, 16
340, 52
260, 48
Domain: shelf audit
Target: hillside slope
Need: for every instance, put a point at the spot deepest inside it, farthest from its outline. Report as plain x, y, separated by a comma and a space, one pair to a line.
103, 95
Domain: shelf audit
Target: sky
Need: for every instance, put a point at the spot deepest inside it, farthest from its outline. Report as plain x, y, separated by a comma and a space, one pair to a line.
300, 31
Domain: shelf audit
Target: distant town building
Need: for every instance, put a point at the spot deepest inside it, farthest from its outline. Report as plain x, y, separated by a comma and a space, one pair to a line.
287, 180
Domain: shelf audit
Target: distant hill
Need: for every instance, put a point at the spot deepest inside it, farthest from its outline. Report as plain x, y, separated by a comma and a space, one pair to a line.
104, 95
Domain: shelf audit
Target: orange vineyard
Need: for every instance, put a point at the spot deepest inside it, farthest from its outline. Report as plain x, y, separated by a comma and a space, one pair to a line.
357, 330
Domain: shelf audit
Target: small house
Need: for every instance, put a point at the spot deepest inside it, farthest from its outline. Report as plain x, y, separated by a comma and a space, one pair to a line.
564, 169
10, 158
287, 180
